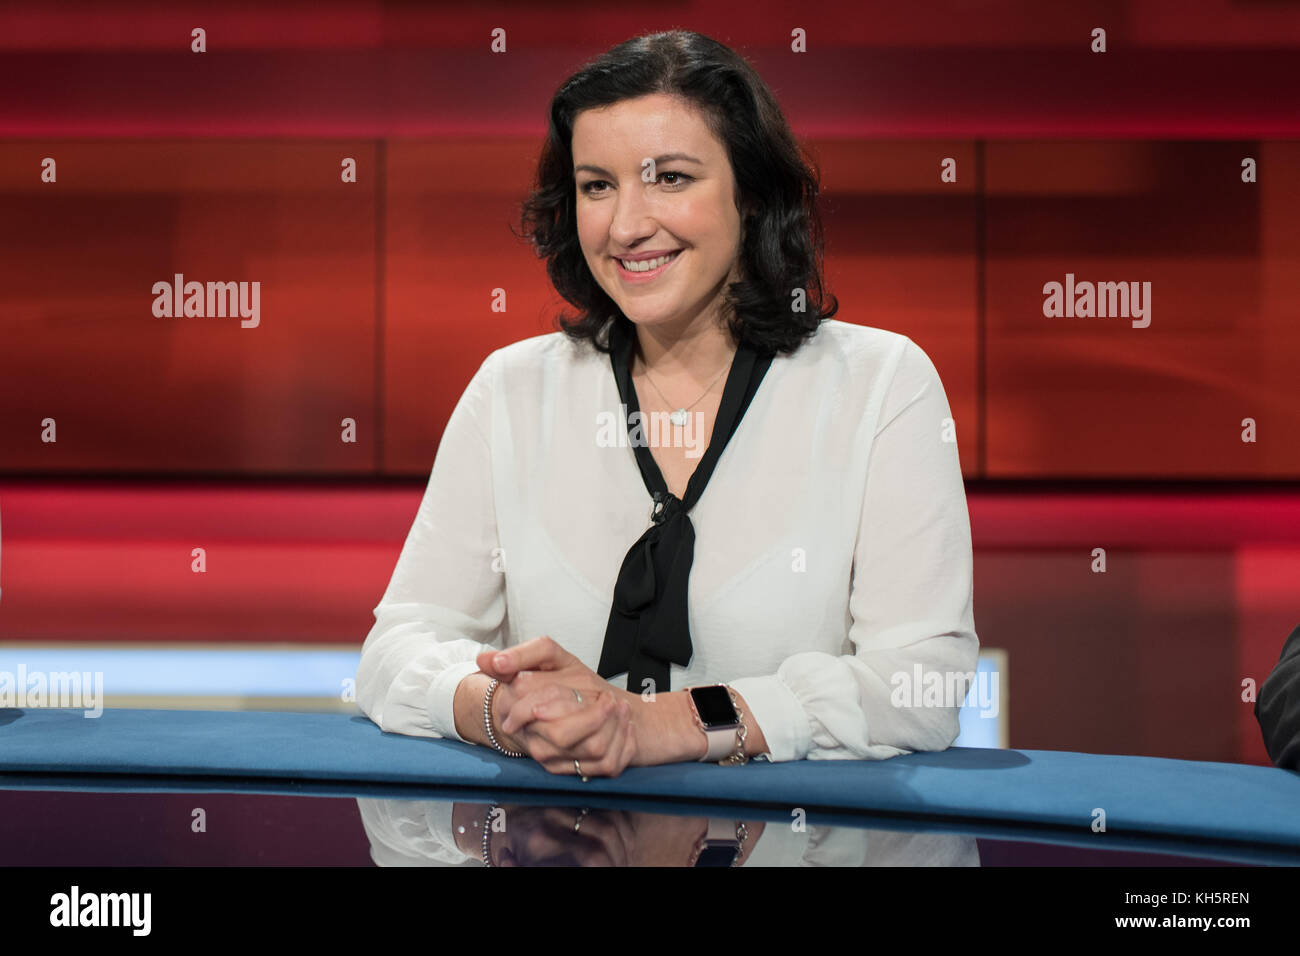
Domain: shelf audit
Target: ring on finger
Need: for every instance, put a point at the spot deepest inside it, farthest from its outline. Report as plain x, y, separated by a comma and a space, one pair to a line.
578, 768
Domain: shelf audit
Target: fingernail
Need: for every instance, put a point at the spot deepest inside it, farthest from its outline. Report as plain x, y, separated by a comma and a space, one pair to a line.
501, 660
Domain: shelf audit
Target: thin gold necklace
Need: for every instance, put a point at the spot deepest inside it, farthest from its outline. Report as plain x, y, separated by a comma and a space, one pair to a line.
680, 417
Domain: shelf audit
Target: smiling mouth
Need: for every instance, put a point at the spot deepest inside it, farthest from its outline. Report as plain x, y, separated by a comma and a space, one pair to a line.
646, 266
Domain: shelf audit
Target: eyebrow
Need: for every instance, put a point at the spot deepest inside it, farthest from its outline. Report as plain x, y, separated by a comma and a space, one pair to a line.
665, 158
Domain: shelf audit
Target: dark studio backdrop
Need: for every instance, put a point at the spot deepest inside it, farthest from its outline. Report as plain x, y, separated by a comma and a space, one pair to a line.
295, 442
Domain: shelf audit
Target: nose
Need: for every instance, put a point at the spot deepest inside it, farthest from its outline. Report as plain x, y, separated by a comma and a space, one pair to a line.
632, 219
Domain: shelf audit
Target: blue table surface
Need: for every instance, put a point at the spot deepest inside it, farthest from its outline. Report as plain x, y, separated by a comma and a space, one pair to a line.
1150, 796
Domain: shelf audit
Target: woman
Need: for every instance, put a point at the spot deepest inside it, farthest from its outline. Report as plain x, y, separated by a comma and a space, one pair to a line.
550, 835
778, 514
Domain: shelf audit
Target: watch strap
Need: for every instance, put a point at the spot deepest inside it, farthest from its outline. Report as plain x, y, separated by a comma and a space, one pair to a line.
724, 835
721, 743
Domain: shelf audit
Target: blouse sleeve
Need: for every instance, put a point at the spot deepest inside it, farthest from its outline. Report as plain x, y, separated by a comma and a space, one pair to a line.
446, 601
910, 604
411, 833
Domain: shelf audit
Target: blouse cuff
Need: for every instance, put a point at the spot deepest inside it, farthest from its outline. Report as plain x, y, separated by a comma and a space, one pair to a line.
442, 697
439, 816
775, 708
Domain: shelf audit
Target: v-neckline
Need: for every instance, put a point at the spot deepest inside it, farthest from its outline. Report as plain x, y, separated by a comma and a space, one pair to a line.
678, 434
746, 373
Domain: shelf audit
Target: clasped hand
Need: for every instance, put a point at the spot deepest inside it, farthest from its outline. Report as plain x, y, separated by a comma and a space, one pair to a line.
536, 707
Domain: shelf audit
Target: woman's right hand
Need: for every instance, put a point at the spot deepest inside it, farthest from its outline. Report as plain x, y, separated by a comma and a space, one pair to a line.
468, 709
503, 699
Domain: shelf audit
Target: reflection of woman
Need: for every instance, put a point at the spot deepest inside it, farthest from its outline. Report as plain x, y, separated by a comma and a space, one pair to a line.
824, 534
414, 833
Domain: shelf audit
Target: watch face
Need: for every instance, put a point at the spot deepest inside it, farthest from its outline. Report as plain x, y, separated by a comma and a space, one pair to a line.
714, 705
718, 856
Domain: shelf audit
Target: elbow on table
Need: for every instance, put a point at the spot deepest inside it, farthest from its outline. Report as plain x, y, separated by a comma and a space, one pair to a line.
368, 701
929, 730
393, 716
926, 700
372, 685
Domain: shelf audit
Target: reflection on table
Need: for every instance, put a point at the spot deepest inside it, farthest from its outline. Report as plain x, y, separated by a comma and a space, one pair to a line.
440, 833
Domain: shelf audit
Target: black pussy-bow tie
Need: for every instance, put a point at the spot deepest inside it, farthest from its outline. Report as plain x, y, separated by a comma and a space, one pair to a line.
648, 626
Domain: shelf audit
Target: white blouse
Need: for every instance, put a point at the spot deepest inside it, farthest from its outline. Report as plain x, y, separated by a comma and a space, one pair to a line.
832, 552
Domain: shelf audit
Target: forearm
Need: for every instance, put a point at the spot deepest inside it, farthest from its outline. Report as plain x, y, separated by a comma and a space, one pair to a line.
665, 725
471, 819
667, 732
468, 708
467, 705
755, 742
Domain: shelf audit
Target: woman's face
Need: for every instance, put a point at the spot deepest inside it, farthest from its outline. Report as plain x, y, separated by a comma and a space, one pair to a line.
688, 209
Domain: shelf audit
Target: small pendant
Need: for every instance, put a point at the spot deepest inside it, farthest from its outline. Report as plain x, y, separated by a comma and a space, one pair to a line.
678, 417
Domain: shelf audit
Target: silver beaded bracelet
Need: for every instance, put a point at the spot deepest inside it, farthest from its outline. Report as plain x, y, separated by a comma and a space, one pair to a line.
487, 828
487, 721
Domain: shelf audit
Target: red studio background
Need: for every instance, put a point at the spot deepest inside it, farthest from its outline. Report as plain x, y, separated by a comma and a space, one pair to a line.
376, 305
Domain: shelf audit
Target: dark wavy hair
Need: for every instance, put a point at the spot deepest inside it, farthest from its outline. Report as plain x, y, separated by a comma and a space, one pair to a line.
783, 240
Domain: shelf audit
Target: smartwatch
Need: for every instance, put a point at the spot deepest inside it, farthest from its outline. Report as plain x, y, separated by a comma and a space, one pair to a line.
722, 845
716, 715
